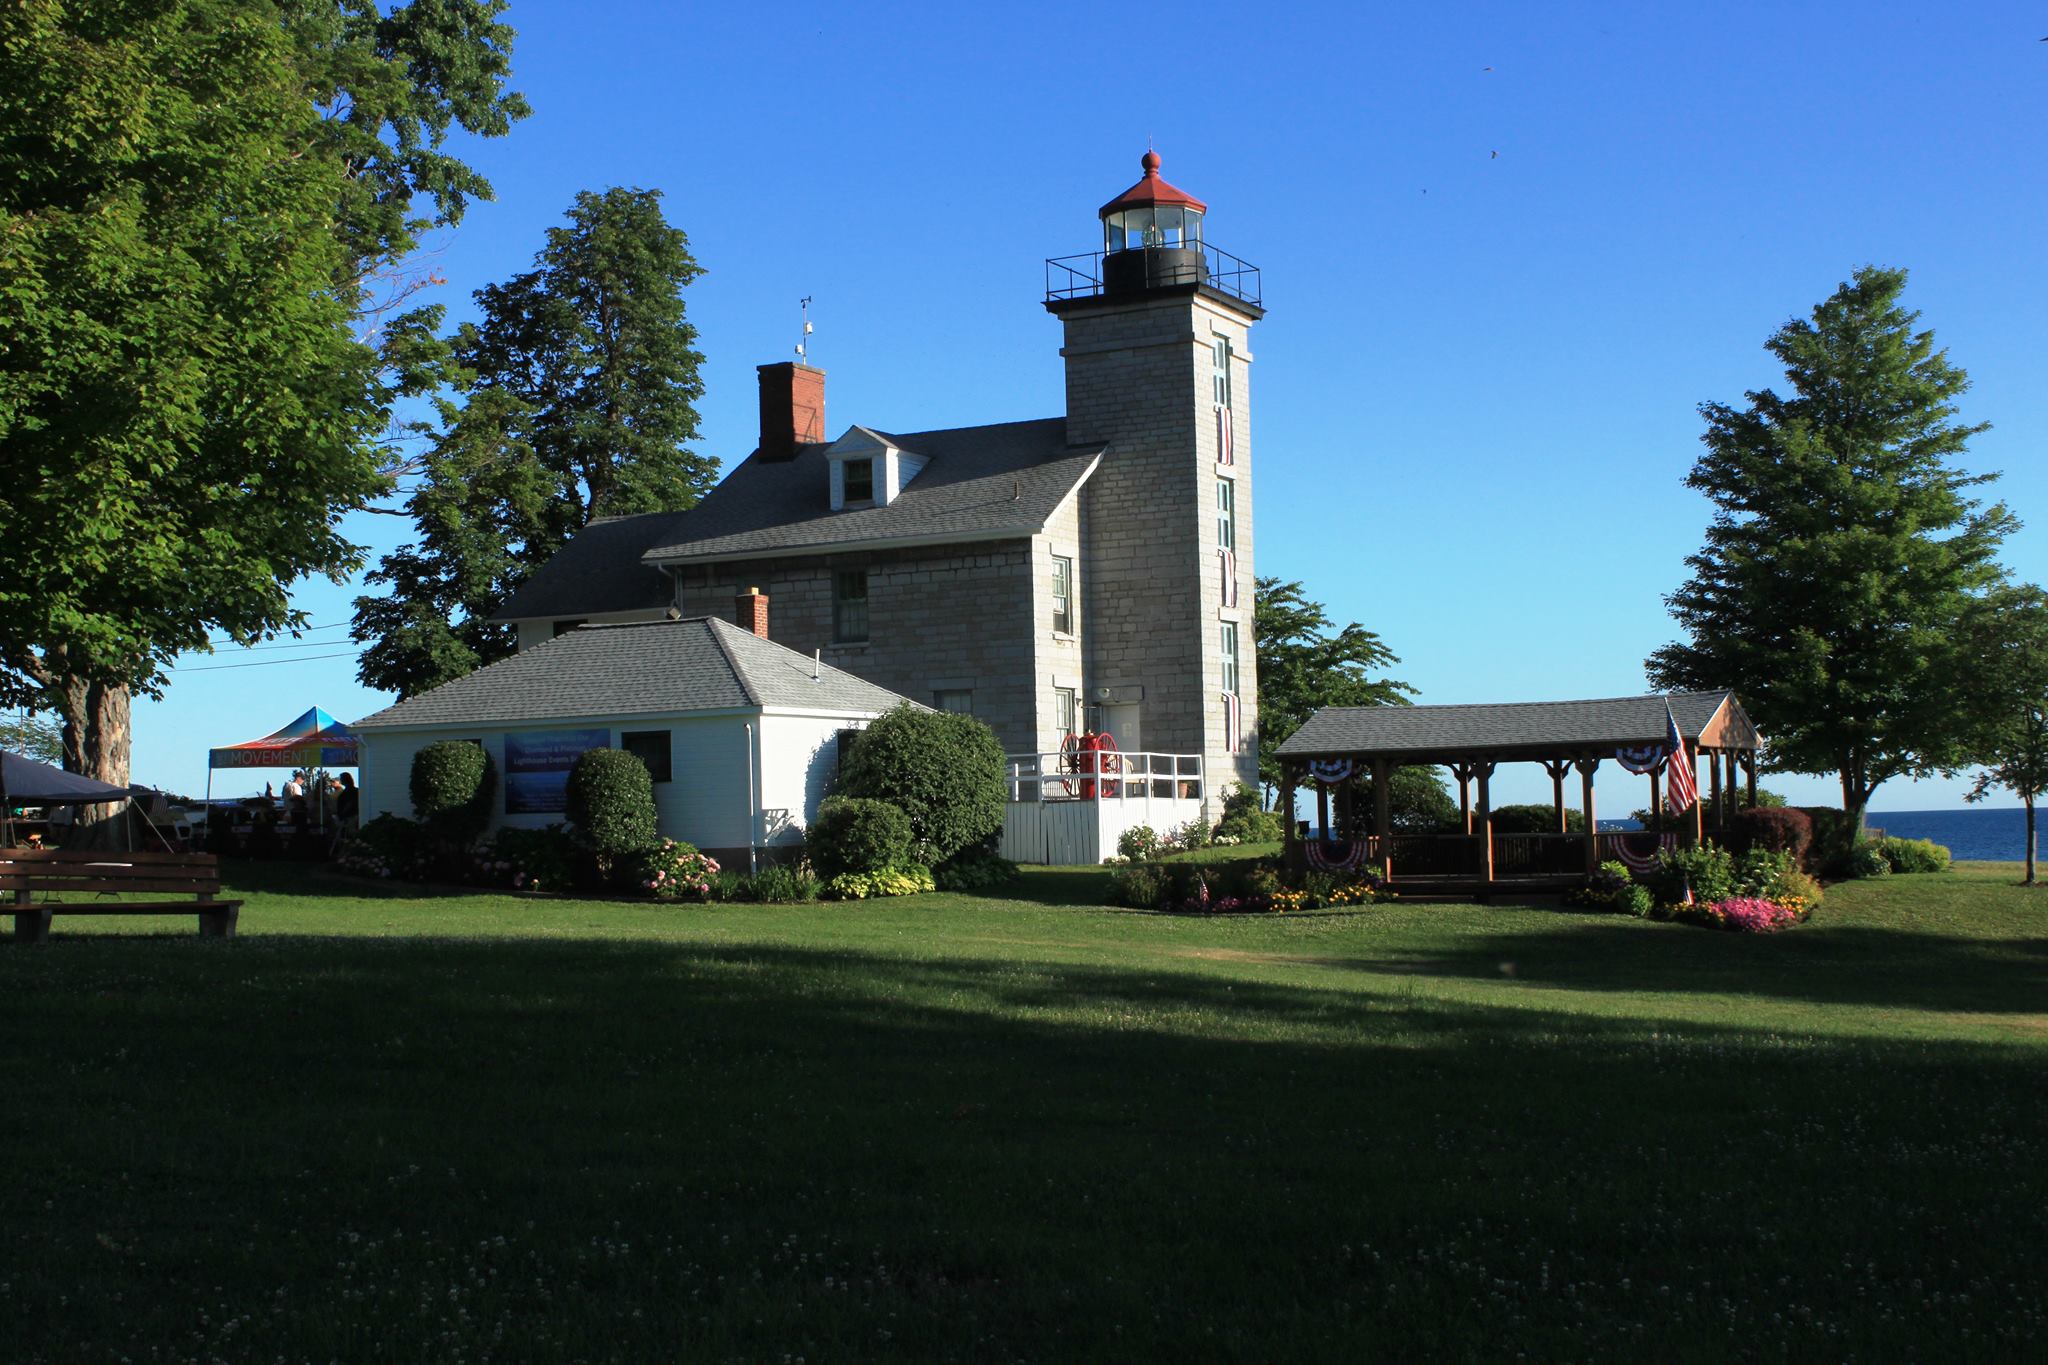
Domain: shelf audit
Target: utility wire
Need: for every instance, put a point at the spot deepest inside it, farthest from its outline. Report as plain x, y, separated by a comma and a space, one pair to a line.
269, 663
302, 630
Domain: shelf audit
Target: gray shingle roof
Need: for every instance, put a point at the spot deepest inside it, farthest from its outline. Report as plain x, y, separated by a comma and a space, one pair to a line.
651, 668
1555, 726
981, 482
598, 571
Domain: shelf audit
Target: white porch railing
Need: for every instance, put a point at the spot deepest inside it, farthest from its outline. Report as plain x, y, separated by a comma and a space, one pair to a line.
1106, 777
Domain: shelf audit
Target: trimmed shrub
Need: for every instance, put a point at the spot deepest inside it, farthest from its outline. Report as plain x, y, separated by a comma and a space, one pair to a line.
785, 883
1137, 843
1536, 819
1798, 884
1775, 829
452, 784
1141, 886
389, 846
1833, 840
975, 870
943, 770
1914, 855
910, 880
1706, 870
1246, 820
854, 834
675, 871
611, 806
1867, 859
526, 859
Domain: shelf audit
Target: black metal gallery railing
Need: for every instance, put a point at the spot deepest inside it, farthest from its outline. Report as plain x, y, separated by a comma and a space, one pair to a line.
1085, 276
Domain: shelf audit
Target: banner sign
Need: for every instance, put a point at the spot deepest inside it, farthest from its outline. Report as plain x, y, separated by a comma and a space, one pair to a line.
537, 768
286, 756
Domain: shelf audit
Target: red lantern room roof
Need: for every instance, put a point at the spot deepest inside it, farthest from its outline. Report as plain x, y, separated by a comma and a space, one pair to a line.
1151, 190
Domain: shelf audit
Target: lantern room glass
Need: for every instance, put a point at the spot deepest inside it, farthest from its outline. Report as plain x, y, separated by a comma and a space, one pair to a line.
1160, 225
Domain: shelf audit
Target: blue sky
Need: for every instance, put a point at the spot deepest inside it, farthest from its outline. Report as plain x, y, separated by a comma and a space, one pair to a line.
1507, 251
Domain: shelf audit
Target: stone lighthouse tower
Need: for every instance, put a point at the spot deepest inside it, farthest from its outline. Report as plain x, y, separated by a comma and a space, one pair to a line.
1158, 366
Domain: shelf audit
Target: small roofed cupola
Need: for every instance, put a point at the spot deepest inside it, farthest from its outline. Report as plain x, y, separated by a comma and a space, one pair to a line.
1152, 235
867, 469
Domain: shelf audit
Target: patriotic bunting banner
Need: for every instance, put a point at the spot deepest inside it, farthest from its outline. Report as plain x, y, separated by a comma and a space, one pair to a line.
1336, 855
1643, 758
1228, 560
1232, 721
1328, 770
1226, 452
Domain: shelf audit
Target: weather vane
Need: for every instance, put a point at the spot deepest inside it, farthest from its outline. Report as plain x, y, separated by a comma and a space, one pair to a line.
803, 342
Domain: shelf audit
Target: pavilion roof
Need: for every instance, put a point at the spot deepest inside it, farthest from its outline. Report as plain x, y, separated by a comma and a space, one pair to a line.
1520, 729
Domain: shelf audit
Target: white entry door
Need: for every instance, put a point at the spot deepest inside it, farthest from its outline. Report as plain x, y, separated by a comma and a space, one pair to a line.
1122, 723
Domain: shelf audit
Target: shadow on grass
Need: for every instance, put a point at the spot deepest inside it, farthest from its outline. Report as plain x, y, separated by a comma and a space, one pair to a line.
635, 1148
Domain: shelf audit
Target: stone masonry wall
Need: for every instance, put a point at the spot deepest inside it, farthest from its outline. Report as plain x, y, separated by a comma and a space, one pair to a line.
957, 616
1139, 377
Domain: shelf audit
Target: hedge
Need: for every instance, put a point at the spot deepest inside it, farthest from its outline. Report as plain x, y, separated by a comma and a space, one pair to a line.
943, 770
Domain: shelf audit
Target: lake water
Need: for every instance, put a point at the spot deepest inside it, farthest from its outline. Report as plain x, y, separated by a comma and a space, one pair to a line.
1974, 835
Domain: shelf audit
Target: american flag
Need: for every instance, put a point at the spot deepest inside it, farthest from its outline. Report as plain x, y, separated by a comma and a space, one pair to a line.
1225, 437
1678, 766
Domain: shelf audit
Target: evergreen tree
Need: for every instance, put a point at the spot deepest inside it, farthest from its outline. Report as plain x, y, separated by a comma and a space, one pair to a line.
2012, 692
1303, 667
581, 383
1845, 555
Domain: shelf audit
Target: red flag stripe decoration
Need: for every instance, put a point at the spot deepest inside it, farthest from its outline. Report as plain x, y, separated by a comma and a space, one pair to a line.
1678, 767
1233, 721
1226, 452
1227, 559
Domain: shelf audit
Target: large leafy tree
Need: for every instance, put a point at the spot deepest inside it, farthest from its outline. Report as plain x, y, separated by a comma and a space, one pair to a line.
1846, 554
581, 386
1304, 665
204, 208
2012, 695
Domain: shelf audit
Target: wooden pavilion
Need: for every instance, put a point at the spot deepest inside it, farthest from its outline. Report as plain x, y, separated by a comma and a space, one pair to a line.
1340, 743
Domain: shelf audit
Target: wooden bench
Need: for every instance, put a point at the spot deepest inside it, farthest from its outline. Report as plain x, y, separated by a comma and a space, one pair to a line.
32, 872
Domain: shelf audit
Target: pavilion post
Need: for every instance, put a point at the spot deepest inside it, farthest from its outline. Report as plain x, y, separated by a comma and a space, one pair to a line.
1749, 766
1714, 777
1463, 772
1699, 807
1287, 805
1586, 767
1382, 816
1322, 809
1557, 768
1656, 797
1484, 771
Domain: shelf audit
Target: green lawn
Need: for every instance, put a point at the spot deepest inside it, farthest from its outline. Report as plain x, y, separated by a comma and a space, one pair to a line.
397, 1126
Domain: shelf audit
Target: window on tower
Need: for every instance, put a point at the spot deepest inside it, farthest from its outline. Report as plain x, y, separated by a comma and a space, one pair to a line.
1226, 515
1220, 370
1230, 656
1063, 594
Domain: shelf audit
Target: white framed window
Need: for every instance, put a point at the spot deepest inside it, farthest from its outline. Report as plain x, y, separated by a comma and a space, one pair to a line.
1220, 369
959, 700
860, 481
1226, 514
1065, 710
1063, 594
1229, 656
850, 606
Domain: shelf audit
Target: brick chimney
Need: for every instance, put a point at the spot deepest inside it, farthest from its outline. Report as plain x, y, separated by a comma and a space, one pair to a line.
750, 610
792, 408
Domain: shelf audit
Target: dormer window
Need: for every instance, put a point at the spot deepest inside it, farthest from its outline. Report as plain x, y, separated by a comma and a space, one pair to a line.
860, 481
869, 469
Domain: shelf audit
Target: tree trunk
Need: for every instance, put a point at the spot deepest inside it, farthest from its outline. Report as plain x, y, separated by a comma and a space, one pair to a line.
2030, 839
97, 741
